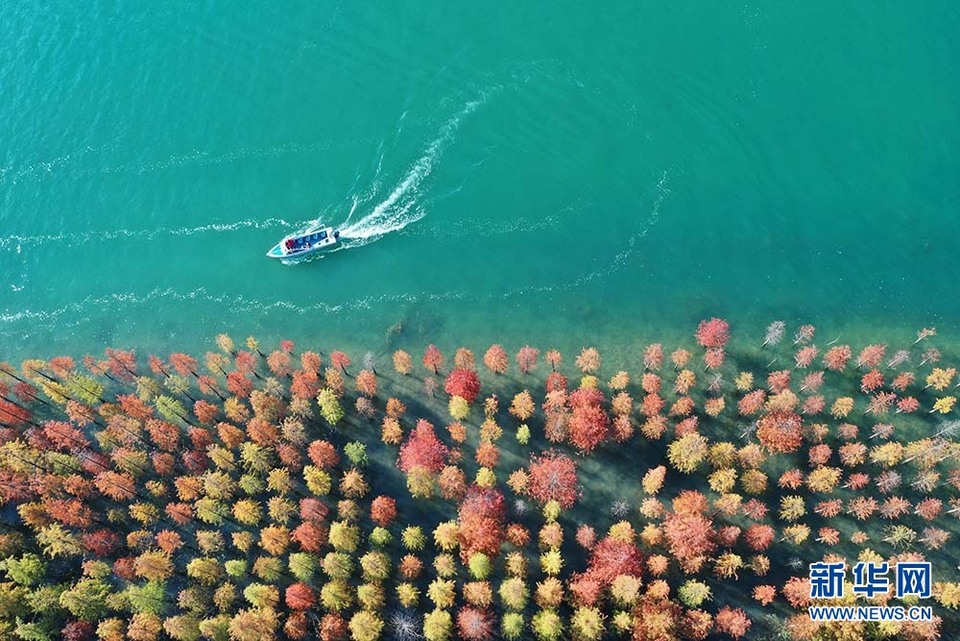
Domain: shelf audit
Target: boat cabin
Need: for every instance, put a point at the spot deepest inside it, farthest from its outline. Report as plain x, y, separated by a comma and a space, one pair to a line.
304, 242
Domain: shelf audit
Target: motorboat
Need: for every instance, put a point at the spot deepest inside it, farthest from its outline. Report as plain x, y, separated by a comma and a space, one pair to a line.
305, 243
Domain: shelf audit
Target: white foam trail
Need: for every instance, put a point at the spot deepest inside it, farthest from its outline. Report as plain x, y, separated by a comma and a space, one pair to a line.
16, 242
470, 228
236, 304
75, 163
619, 260
401, 207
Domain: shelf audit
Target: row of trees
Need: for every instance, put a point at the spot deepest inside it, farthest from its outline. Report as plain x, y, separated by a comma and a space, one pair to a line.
256, 495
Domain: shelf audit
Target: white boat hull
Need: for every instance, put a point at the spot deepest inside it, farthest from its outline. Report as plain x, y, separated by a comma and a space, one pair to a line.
296, 246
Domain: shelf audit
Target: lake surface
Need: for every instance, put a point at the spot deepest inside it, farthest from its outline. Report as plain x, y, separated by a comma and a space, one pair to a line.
509, 174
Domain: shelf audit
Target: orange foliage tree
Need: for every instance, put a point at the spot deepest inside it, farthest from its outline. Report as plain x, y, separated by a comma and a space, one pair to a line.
553, 477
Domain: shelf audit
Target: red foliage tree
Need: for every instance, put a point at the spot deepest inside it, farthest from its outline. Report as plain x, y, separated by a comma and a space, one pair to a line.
310, 536
340, 360
589, 424
714, 358
305, 384
475, 624
553, 477
452, 482
297, 626
101, 543
333, 627
383, 510
116, 486
164, 435
908, 404
836, 358
323, 454
184, 364
13, 414
80, 414
690, 538
657, 619
653, 357
300, 596
65, 436
611, 557
279, 363
487, 454
70, 512
367, 383
313, 510
463, 383
586, 536
759, 536
556, 382
585, 589
239, 384
181, 513
432, 358
496, 359
121, 364
422, 449
206, 412
481, 521
527, 358
713, 333
732, 621
780, 431
79, 631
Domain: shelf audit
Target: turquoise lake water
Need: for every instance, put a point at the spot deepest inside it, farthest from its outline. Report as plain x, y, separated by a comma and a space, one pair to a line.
561, 176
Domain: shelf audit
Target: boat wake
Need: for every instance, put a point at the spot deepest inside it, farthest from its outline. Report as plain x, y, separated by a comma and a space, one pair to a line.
403, 206
16, 242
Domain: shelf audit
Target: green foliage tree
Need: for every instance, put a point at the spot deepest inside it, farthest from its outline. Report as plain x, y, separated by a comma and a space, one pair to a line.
512, 625
171, 409
302, 565
87, 599
85, 389
215, 628
183, 627
236, 568
356, 452
56, 541
26, 570
330, 408
693, 593
260, 595
336, 595
149, 597
480, 566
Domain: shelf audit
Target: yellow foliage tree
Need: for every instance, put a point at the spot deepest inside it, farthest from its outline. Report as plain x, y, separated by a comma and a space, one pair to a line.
687, 452
940, 378
944, 405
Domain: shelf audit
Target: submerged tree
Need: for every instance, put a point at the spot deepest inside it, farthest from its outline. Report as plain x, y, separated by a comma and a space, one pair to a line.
433, 359
713, 333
